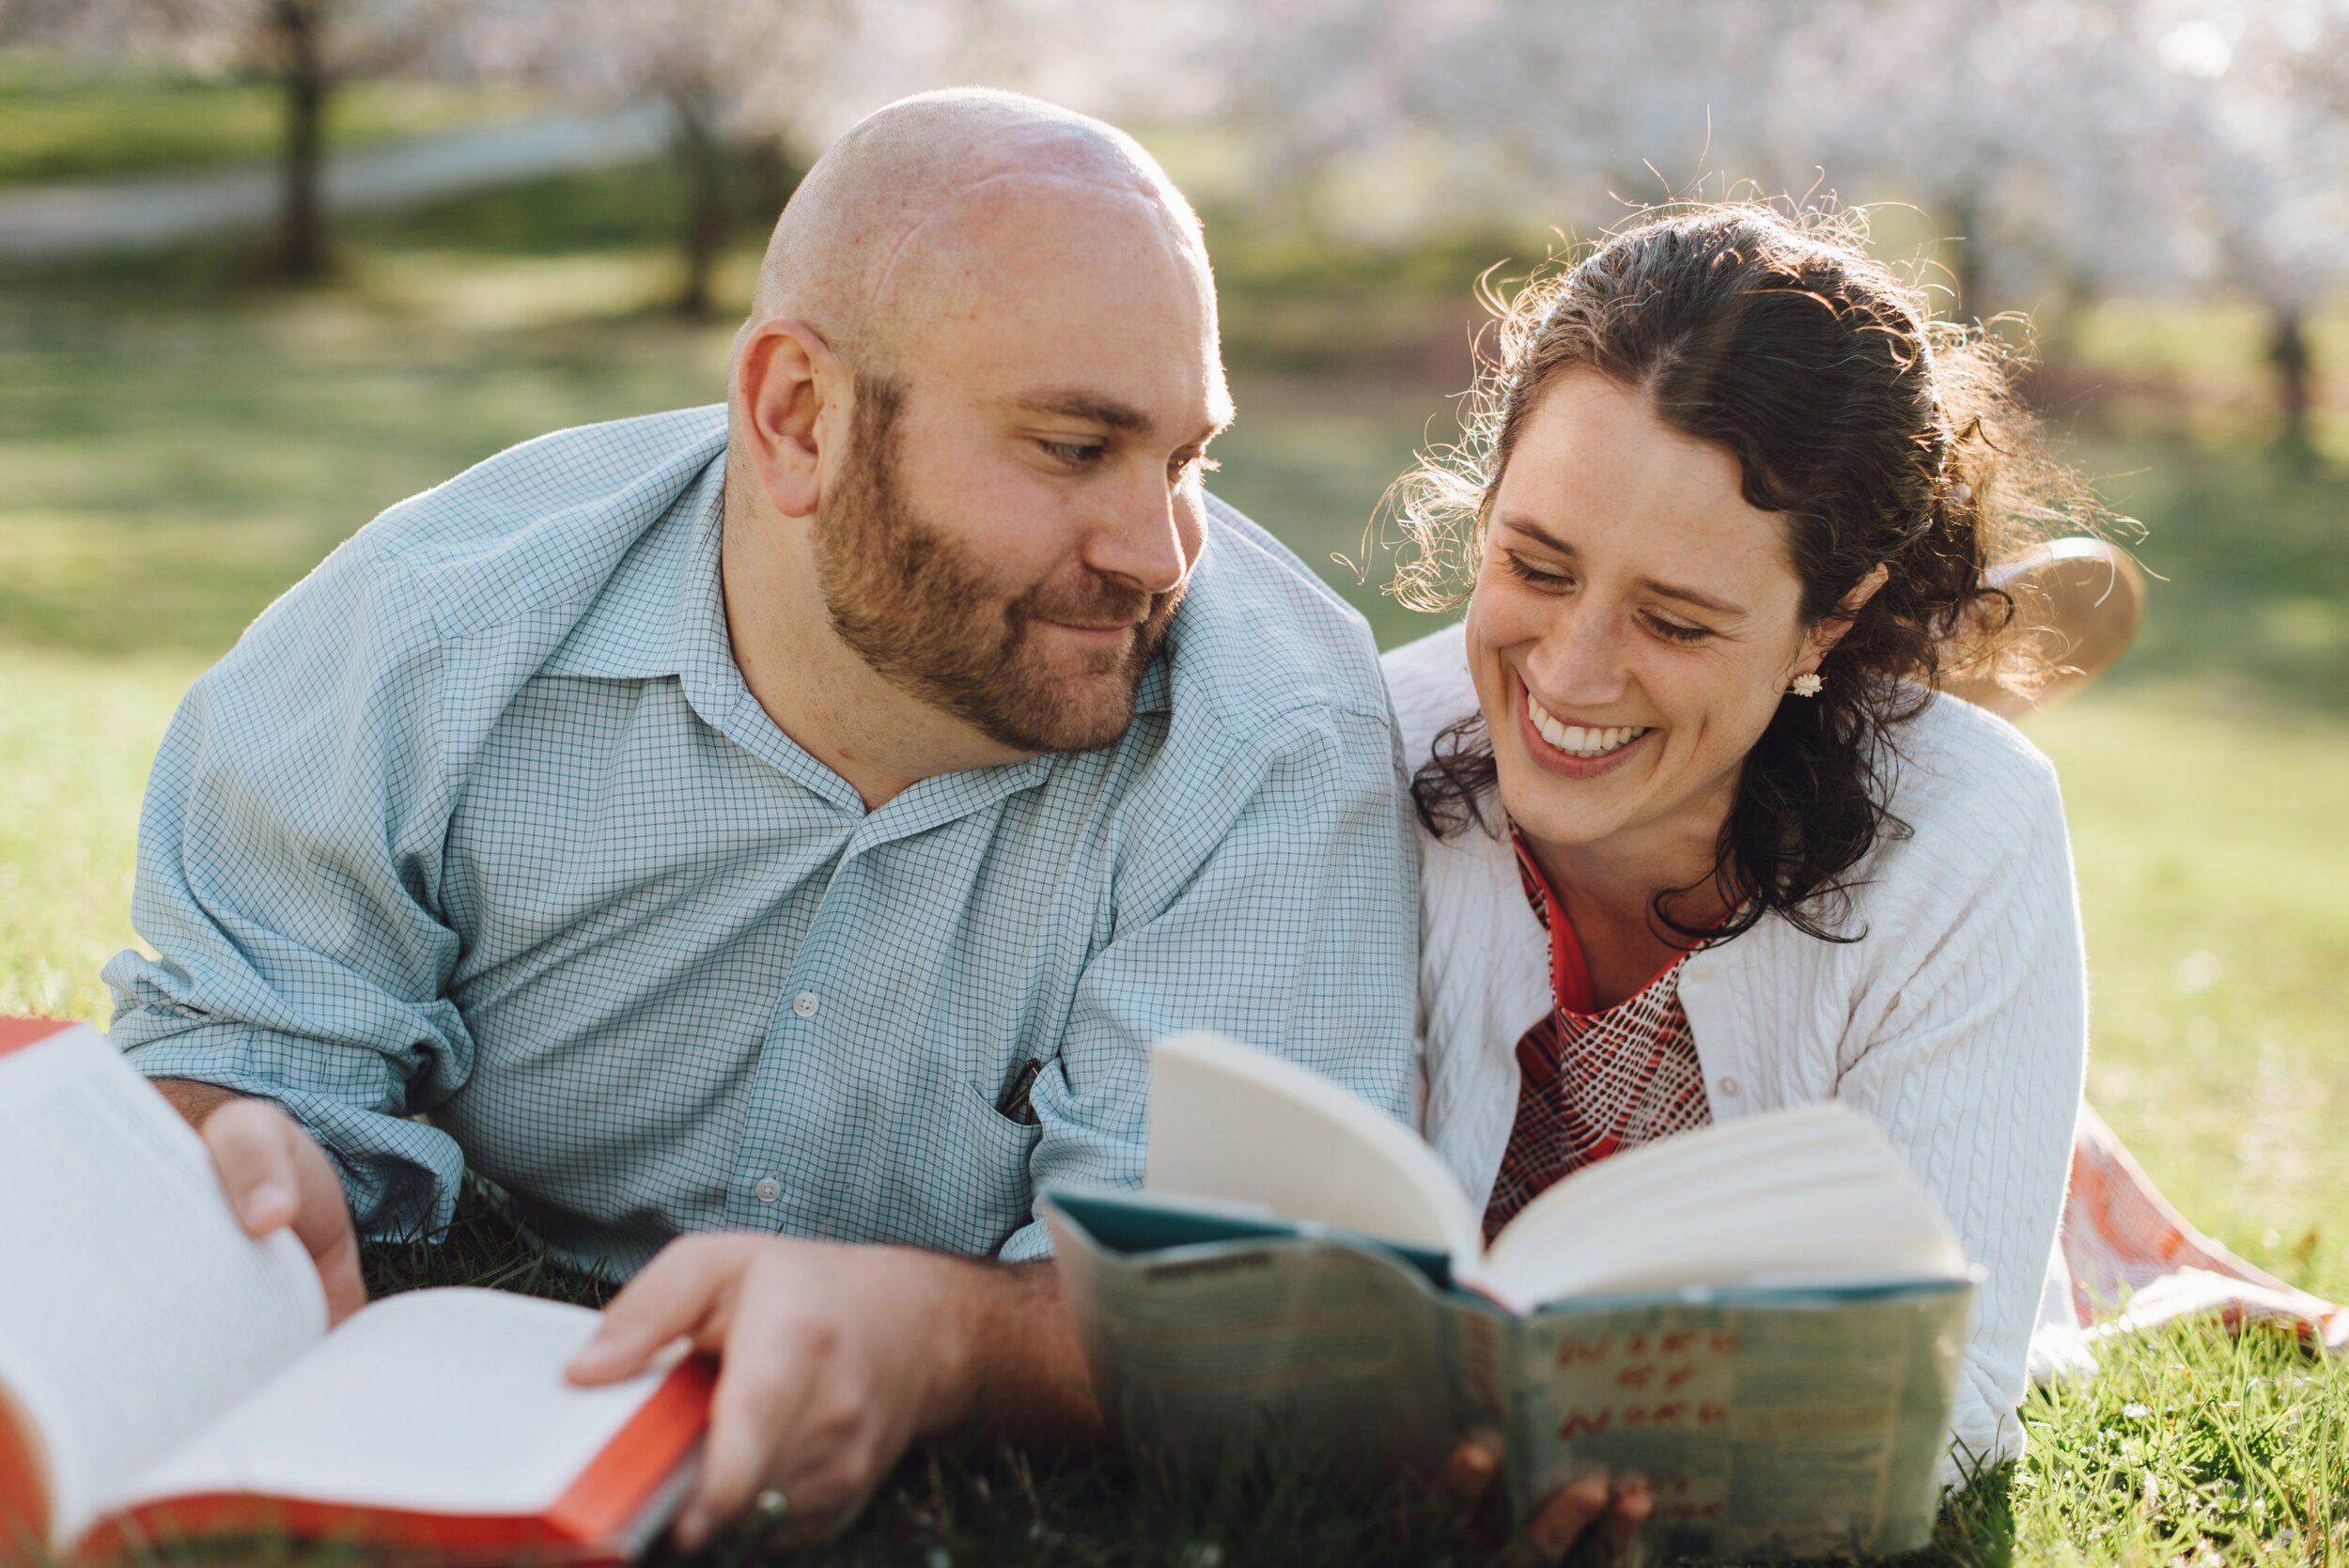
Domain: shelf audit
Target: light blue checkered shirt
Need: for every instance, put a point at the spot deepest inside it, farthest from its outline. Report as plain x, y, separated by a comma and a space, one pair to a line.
480, 821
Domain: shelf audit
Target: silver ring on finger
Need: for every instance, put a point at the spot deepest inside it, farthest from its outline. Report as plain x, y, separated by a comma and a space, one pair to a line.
771, 1504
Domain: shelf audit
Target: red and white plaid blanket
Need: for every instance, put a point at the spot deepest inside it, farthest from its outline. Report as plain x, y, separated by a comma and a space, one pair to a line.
2128, 1249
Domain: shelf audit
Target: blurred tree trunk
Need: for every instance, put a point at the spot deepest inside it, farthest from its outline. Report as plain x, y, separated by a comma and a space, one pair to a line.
769, 175
2288, 351
295, 31
1970, 274
701, 153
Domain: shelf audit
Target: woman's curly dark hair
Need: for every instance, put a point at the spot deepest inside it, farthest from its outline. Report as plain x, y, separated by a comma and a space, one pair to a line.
1879, 436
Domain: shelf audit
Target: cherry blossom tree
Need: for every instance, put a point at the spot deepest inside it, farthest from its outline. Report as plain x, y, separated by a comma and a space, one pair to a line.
2109, 147
308, 48
2064, 147
1513, 106
727, 70
2273, 192
782, 77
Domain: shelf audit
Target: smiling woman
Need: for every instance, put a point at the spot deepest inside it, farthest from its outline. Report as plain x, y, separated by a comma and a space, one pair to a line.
1803, 460
1699, 839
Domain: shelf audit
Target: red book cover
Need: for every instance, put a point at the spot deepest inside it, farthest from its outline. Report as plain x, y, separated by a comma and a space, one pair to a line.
167, 1377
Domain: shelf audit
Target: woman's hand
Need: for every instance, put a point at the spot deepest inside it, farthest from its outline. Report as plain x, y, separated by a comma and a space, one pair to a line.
1566, 1515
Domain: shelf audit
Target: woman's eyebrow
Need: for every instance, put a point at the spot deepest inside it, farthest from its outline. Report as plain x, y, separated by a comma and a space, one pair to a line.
1540, 535
1689, 596
1666, 590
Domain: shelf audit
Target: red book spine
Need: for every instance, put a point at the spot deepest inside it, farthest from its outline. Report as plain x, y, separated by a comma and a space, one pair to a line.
586, 1523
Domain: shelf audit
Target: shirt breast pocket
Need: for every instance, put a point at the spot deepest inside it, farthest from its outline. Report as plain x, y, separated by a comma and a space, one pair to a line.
996, 1196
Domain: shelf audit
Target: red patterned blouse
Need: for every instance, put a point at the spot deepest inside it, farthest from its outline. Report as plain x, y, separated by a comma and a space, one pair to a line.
1589, 1084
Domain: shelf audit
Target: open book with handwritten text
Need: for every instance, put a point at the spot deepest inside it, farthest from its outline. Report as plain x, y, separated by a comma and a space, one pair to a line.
1763, 1319
162, 1375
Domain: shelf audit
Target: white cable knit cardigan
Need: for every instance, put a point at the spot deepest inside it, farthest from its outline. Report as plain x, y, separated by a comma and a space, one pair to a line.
1958, 1023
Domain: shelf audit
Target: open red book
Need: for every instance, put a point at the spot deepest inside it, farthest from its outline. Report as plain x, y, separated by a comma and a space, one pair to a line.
162, 1375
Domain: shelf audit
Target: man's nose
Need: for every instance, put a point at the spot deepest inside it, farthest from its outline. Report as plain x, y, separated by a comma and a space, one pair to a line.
1149, 538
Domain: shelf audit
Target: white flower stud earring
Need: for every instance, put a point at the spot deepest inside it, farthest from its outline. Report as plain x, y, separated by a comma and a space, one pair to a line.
1805, 686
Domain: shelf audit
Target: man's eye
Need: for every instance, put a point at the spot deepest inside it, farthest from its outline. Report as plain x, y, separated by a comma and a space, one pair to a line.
1076, 453
1183, 468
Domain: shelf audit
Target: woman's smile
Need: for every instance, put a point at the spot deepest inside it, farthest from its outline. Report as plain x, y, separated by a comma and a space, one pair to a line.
1627, 575
1573, 750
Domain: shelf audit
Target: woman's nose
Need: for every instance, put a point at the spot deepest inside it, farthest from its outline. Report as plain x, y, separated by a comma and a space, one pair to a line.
1580, 658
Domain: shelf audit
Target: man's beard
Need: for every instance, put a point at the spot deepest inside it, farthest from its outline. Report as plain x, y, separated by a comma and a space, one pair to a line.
921, 610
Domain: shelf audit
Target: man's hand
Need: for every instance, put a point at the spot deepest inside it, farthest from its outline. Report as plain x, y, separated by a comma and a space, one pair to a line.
834, 1358
275, 1175
1565, 1514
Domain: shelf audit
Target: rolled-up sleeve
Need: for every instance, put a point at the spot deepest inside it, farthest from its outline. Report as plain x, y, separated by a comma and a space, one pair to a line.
1276, 901
288, 870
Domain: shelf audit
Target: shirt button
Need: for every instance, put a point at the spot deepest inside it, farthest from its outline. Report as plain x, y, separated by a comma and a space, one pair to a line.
1729, 1087
805, 1004
767, 1190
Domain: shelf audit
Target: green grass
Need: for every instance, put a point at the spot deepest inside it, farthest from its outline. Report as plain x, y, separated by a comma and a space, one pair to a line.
2191, 1449
77, 736
2254, 605
176, 449
2201, 829
59, 122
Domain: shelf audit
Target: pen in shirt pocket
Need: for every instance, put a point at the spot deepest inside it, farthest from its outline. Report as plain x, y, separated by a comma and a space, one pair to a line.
1015, 1105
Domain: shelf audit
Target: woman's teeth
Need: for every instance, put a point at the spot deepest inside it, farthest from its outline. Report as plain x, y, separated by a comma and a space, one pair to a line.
1574, 739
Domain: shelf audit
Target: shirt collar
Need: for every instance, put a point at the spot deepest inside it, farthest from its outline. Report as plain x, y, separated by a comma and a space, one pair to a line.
663, 613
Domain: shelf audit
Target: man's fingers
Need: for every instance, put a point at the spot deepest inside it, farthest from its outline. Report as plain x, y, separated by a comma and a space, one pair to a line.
687, 1290
254, 1163
1563, 1518
322, 1221
762, 1384
275, 1175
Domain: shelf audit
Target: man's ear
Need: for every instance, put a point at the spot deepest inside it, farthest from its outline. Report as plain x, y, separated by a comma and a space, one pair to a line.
1831, 631
790, 390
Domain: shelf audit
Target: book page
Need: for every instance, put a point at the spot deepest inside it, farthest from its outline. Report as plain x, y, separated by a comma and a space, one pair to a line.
132, 1308
1815, 1194
446, 1402
1231, 1122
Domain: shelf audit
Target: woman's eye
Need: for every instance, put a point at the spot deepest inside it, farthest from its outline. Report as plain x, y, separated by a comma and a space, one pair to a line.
1524, 571
1679, 632
1076, 453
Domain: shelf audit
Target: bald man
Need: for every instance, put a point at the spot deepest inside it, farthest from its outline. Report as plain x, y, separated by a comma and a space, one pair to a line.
784, 828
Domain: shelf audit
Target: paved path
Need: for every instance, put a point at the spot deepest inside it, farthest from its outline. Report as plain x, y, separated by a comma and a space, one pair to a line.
48, 221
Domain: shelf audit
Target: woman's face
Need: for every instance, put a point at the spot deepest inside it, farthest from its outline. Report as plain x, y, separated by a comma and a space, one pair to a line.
1634, 625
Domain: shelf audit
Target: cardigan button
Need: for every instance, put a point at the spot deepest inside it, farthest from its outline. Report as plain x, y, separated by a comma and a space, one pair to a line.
1698, 970
1729, 1087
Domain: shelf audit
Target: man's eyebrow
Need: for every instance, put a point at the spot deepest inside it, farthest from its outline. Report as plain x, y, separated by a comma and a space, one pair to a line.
1667, 590
1088, 406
